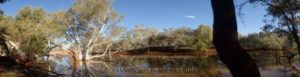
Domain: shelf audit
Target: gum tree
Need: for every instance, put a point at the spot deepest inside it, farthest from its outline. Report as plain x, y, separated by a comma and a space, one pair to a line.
225, 39
88, 21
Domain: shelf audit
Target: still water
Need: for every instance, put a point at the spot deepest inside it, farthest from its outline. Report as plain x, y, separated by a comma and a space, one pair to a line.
159, 66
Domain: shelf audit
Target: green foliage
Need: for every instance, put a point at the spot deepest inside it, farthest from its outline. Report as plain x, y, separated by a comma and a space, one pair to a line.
138, 37
88, 18
176, 38
36, 45
90, 10
264, 40
285, 18
203, 38
142, 37
32, 30
181, 37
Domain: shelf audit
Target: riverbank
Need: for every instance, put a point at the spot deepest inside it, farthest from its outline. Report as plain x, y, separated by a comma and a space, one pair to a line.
166, 52
157, 51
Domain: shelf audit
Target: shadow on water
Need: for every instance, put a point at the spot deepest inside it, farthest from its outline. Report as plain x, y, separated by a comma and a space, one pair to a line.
167, 49
9, 67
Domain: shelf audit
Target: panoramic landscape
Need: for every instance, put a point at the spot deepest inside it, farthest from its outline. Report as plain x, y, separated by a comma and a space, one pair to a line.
149, 38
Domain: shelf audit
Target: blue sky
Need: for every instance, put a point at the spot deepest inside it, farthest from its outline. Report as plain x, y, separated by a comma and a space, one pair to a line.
159, 14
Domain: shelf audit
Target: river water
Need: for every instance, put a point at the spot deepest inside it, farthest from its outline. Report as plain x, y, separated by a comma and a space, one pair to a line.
161, 66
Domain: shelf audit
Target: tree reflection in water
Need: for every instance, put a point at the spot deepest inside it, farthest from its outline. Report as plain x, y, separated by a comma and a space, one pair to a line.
164, 66
139, 66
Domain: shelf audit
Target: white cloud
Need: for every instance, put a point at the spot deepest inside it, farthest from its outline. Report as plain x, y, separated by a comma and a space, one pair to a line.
191, 17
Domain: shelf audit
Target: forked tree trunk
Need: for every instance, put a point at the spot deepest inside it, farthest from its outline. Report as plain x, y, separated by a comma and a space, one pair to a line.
226, 41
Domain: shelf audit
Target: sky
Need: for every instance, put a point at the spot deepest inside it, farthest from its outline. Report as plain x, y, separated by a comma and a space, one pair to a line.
160, 14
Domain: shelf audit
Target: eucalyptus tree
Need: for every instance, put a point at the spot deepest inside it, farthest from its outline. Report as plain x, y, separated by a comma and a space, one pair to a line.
225, 39
148, 32
4, 22
203, 38
140, 35
113, 36
2, 38
87, 22
285, 17
265, 40
126, 42
252, 41
30, 32
159, 40
181, 37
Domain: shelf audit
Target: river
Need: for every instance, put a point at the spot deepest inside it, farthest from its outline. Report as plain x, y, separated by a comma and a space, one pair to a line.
162, 66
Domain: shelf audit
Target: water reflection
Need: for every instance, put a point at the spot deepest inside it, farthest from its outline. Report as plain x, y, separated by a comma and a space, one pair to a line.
164, 66
138, 66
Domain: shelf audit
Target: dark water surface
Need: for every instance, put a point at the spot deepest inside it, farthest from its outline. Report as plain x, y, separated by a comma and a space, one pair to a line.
161, 66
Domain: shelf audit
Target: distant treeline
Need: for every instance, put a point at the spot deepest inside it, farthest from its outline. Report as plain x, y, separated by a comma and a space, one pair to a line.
180, 38
267, 41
